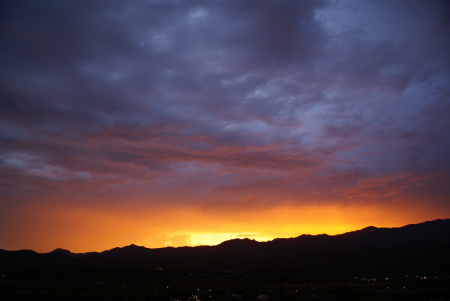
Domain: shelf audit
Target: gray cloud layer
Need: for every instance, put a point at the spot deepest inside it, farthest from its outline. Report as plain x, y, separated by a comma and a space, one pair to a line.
301, 95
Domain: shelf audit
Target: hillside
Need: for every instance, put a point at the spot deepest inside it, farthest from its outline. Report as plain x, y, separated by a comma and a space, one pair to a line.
414, 248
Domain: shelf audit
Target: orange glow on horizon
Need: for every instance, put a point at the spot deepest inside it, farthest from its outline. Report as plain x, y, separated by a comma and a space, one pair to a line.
85, 229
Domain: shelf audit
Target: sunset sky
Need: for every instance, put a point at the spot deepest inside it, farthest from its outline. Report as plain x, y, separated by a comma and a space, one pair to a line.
174, 123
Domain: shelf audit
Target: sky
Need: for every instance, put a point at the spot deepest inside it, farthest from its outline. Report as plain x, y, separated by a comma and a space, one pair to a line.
184, 123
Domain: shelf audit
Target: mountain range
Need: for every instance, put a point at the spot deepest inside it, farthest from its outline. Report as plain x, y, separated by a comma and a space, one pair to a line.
418, 248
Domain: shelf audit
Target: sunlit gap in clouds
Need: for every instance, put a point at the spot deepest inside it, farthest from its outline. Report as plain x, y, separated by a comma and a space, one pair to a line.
85, 227
210, 227
211, 239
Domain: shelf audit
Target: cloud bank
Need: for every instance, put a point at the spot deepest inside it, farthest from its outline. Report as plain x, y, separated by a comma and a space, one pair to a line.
235, 106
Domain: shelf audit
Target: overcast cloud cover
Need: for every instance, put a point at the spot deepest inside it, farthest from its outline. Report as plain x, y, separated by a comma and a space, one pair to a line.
233, 105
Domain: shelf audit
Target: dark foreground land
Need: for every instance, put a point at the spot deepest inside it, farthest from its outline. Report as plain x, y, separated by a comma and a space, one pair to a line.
410, 263
112, 283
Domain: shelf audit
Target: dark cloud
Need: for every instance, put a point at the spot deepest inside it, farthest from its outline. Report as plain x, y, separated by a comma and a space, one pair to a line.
284, 95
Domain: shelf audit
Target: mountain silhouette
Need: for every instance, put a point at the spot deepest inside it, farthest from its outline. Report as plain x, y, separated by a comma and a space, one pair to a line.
61, 251
417, 248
